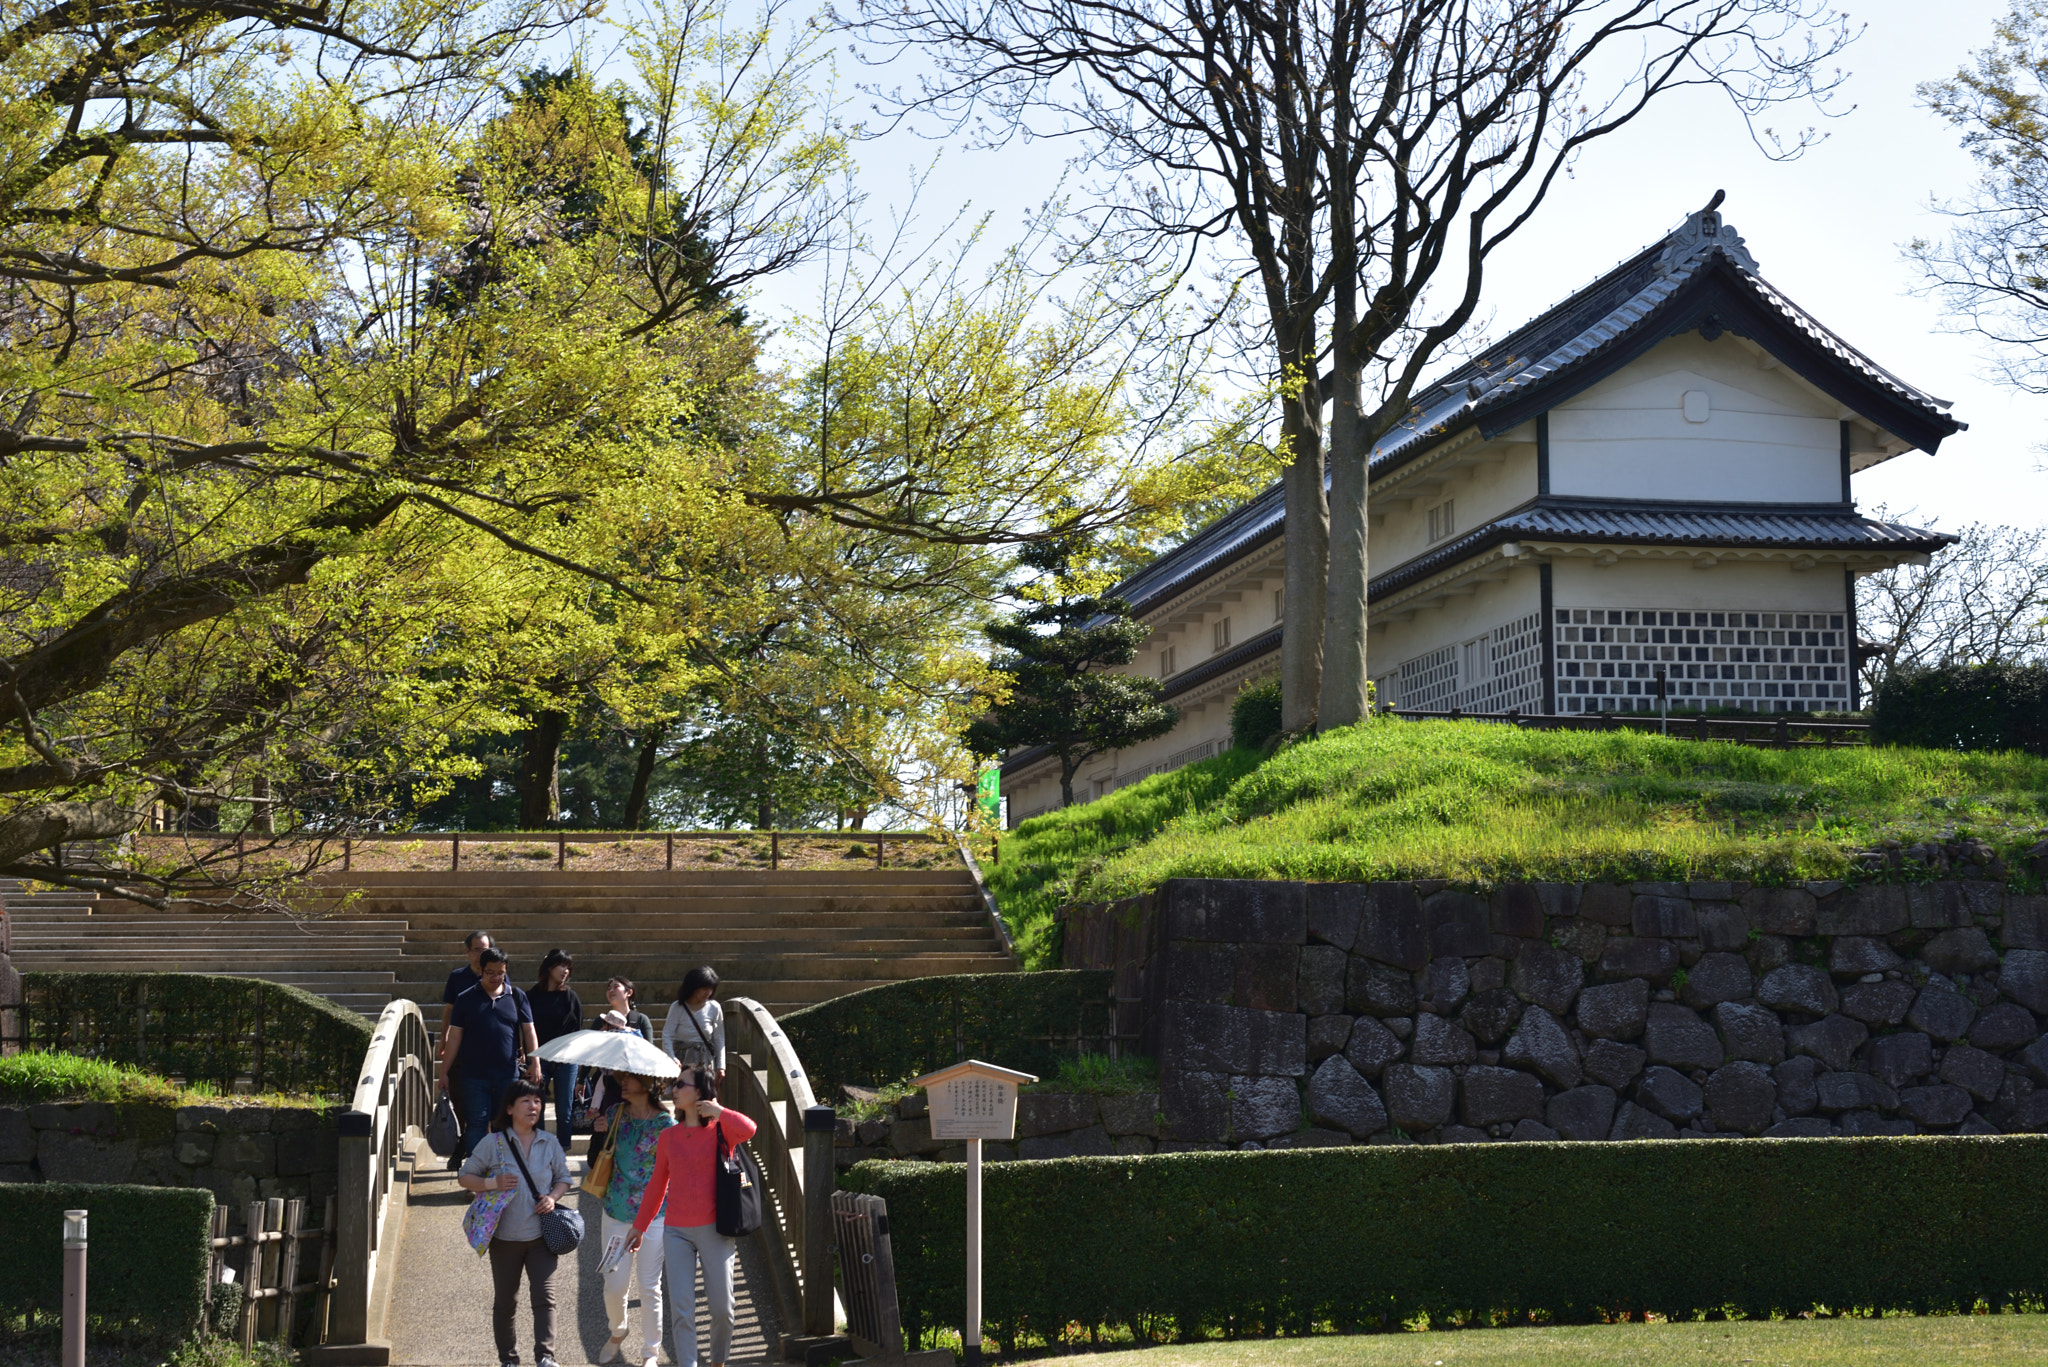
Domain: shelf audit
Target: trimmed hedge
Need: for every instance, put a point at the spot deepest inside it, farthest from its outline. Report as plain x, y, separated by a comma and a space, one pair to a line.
1028, 1021
1964, 707
199, 1027
1372, 1236
1255, 715
145, 1264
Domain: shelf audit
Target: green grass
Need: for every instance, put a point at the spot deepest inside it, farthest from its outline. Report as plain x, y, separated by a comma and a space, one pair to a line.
38, 1076
1481, 804
1101, 1075
1898, 1341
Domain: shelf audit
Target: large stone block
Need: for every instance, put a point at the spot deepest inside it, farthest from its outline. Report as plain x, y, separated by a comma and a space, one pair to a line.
1801, 1127
1976, 1072
1237, 911
1639, 1122
1332, 911
1373, 989
1781, 911
1717, 977
1446, 983
1494, 1096
1319, 986
1795, 1078
1724, 926
210, 1118
1261, 1107
1750, 1032
2004, 1027
1870, 1123
2026, 923
1198, 971
1138, 1113
1936, 906
1541, 1044
1548, 977
1942, 1012
79, 1156
1093, 1142
1902, 1058
1517, 910
1491, 1014
1869, 909
299, 1152
1798, 987
17, 1136
1614, 1064
1606, 903
194, 1148
1963, 950
1390, 927
1046, 1146
1668, 918
2024, 978
1833, 1040
1327, 1035
1582, 1113
1196, 1104
1838, 1092
1884, 1003
2034, 1058
1616, 1010
1458, 923
1582, 938
1441, 1043
1265, 977
1372, 1046
1935, 1107
1054, 1112
1669, 1093
1233, 1039
1852, 956
1677, 1036
913, 1138
1419, 1099
1339, 1097
1635, 957
1740, 1097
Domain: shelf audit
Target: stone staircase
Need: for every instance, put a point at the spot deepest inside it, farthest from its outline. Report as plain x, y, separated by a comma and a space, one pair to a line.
786, 938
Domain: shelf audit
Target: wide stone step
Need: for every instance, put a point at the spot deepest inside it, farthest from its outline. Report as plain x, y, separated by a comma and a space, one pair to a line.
514, 880
453, 910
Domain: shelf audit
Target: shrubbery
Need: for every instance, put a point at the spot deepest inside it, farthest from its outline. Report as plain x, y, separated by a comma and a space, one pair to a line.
1967, 707
1255, 715
147, 1257
1178, 1245
1028, 1021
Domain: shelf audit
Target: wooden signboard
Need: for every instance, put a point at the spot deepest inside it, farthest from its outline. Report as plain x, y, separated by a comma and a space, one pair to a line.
973, 1101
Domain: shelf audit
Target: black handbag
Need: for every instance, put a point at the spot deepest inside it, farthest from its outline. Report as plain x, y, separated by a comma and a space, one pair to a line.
561, 1229
444, 1130
739, 1190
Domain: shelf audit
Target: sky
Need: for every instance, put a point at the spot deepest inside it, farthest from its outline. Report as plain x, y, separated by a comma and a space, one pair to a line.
1828, 229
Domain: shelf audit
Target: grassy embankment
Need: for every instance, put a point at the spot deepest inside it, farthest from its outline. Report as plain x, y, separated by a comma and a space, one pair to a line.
1481, 804
36, 1076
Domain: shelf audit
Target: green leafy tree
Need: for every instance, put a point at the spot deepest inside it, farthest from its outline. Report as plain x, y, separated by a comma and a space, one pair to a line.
1057, 656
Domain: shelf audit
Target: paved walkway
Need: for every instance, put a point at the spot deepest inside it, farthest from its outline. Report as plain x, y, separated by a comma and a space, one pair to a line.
441, 1303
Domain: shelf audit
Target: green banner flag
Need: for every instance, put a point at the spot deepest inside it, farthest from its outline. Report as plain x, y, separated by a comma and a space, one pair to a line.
988, 794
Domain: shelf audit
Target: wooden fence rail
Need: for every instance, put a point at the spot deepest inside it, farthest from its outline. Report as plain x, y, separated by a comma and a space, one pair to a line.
274, 1241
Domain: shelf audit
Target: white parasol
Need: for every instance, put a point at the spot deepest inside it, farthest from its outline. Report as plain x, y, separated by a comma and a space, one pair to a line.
622, 1051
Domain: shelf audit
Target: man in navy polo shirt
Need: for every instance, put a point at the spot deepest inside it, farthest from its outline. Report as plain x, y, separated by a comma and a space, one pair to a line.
461, 980
489, 1026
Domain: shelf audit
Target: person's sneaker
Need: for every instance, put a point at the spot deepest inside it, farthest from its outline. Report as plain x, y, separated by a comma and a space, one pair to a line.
610, 1352
546, 1362
653, 1360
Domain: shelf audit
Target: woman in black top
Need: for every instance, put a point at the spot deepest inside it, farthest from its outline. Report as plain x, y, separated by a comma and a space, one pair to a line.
556, 1012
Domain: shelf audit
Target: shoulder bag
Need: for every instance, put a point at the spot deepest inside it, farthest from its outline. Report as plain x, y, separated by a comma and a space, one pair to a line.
739, 1190
561, 1229
598, 1180
480, 1221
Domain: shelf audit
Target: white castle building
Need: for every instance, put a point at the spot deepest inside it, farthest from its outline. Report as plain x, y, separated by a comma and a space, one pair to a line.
1653, 475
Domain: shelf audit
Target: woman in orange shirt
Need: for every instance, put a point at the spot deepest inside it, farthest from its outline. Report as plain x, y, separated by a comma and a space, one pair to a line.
685, 1178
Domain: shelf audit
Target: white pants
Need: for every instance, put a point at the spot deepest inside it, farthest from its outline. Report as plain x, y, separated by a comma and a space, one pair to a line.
619, 1281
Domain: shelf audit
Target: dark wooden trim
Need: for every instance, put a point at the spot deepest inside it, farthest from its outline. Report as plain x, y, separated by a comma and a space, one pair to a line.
1845, 460
1549, 639
1855, 659
1543, 454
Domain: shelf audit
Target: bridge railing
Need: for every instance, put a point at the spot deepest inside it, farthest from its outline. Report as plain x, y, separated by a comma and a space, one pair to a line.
766, 1082
394, 1096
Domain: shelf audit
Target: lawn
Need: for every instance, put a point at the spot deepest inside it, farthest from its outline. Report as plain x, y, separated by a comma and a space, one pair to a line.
1931, 1341
39, 1076
1481, 804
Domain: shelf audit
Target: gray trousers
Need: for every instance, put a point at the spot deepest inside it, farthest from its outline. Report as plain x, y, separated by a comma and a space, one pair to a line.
509, 1258
686, 1250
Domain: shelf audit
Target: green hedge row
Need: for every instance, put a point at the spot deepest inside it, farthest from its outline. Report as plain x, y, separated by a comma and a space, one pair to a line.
1028, 1021
1964, 707
1371, 1236
198, 1026
145, 1262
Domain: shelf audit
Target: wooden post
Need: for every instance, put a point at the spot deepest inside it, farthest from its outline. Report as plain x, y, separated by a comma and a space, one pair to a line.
252, 1271
288, 1274
455, 855
347, 851
1702, 725
820, 1124
971, 1331
1782, 739
671, 852
878, 851
774, 850
354, 1215
561, 849
272, 1263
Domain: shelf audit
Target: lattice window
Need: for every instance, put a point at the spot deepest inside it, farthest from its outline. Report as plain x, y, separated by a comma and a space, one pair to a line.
1514, 674
1607, 660
1429, 683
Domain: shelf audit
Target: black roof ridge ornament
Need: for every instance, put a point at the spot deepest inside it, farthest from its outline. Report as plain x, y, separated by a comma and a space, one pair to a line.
1700, 236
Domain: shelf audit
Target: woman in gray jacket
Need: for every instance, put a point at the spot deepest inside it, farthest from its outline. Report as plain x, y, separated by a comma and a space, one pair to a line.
694, 1034
517, 1245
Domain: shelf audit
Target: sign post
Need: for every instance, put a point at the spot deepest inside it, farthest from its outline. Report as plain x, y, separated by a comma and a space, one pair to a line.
973, 1101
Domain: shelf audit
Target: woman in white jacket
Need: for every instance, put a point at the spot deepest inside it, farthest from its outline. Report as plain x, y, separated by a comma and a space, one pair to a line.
694, 1034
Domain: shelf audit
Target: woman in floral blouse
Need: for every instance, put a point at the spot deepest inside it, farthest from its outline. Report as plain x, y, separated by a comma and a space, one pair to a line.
640, 1119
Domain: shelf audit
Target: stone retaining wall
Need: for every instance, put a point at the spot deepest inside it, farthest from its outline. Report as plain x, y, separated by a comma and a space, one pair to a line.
1049, 1125
240, 1153
1304, 1013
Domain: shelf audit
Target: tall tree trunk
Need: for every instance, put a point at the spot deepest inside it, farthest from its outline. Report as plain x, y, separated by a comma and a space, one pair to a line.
540, 770
1307, 560
1067, 781
643, 776
262, 817
11, 1041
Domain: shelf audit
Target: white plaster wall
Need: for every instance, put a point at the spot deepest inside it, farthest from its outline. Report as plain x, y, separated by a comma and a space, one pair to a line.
1769, 438
1481, 493
1677, 585
1457, 620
